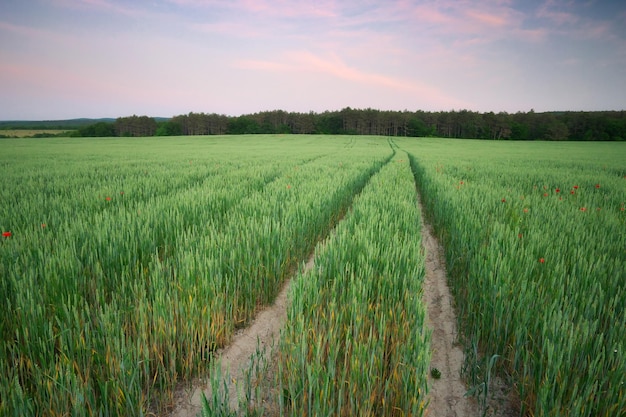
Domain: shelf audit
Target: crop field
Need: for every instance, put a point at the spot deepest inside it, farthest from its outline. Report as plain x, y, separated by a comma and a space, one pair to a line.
535, 239
24, 133
126, 263
356, 342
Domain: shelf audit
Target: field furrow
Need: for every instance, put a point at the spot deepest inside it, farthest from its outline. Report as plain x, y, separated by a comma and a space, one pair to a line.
119, 303
126, 265
355, 341
536, 260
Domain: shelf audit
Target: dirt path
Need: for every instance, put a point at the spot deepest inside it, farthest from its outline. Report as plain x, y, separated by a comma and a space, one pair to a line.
261, 336
446, 396
446, 393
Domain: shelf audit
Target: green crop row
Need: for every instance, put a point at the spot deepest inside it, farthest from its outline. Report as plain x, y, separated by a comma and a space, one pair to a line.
122, 273
124, 265
355, 341
535, 242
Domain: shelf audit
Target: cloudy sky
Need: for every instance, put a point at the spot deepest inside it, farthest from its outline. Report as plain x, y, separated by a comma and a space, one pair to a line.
108, 58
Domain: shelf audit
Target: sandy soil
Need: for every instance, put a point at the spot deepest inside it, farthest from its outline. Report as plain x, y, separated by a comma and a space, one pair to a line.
446, 396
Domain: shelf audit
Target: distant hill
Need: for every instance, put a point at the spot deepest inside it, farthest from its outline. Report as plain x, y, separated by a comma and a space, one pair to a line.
69, 124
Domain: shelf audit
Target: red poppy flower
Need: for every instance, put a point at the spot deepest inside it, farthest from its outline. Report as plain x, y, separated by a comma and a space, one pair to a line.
519, 235
576, 187
288, 186
583, 209
525, 210
542, 261
597, 185
108, 199
461, 182
545, 194
558, 190
621, 208
43, 225
7, 234
504, 200
572, 192
121, 192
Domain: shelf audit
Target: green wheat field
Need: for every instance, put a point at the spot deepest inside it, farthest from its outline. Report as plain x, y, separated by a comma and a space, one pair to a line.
126, 263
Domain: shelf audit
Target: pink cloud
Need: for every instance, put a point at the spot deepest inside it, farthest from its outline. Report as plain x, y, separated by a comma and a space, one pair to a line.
482, 22
595, 30
39, 36
560, 17
568, 24
25, 30
81, 90
262, 18
259, 65
302, 62
290, 8
532, 35
52, 79
230, 28
101, 5
488, 19
430, 13
265, 8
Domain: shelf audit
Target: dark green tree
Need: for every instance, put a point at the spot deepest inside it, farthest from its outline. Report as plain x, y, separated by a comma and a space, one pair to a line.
100, 129
169, 129
243, 125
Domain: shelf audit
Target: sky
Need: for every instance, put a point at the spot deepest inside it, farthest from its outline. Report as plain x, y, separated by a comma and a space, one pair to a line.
62, 59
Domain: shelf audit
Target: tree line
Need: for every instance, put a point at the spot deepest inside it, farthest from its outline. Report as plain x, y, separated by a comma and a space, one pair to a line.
579, 126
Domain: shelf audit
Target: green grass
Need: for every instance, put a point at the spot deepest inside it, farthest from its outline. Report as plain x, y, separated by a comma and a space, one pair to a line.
355, 342
130, 261
535, 241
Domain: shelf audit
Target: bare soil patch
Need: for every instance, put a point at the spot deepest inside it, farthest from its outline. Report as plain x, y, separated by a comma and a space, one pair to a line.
447, 393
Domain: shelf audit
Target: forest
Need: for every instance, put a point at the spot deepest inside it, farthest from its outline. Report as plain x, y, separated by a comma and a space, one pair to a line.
464, 124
